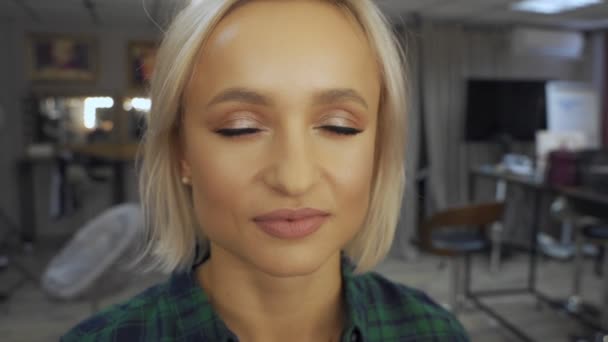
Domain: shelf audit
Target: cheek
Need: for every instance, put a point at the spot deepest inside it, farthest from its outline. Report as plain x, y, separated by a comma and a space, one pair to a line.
217, 179
351, 173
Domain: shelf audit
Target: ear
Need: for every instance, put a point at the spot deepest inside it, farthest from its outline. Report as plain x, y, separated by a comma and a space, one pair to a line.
179, 149
184, 167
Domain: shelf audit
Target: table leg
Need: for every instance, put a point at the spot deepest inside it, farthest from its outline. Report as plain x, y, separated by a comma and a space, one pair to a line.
533, 242
27, 207
467, 275
604, 304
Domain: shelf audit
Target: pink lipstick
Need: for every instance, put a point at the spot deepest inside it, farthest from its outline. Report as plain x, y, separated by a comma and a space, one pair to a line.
291, 224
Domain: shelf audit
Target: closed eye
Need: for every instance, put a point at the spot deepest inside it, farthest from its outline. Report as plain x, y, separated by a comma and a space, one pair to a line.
341, 130
234, 132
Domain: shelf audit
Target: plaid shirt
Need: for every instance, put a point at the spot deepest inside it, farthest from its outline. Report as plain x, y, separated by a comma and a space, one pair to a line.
179, 310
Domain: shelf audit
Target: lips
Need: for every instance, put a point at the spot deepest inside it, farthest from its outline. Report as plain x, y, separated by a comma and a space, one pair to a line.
291, 224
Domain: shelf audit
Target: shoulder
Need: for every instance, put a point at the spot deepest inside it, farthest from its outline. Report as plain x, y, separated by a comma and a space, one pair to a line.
128, 321
406, 313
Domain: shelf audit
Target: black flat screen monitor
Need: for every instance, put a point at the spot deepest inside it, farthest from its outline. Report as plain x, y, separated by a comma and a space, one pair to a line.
499, 109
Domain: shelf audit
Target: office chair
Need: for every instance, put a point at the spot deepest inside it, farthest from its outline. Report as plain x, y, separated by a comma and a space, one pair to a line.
456, 233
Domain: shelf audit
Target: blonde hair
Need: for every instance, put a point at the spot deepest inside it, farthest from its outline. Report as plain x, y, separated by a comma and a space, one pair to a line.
172, 230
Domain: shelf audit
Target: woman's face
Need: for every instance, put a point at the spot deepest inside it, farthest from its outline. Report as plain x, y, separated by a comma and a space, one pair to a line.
281, 113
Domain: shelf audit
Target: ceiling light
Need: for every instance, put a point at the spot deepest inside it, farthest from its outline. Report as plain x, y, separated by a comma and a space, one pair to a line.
552, 6
141, 104
90, 109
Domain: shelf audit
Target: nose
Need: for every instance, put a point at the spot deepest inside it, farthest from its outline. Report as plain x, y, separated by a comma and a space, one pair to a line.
294, 169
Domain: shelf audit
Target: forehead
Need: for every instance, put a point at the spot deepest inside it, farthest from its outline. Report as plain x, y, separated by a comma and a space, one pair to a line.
286, 44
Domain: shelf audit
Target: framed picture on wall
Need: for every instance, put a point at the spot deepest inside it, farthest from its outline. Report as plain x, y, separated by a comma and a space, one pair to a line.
56, 57
141, 60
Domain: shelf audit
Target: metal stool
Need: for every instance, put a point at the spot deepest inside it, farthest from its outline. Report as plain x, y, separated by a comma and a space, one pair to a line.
596, 234
456, 233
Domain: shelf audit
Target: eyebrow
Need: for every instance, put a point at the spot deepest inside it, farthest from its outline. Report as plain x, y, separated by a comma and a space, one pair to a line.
240, 95
339, 94
321, 97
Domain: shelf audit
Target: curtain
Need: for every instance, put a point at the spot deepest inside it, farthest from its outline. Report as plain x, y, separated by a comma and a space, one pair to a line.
406, 227
448, 52
454, 53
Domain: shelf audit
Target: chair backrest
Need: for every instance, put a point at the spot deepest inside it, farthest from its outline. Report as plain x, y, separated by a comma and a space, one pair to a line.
476, 216
587, 203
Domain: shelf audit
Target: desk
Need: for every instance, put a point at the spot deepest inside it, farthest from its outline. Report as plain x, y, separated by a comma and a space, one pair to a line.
116, 154
537, 188
587, 202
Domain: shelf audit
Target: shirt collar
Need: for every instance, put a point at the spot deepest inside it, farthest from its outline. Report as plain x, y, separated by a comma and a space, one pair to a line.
189, 300
355, 296
192, 305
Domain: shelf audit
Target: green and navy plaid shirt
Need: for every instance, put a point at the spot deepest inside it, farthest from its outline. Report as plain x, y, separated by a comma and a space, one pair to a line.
179, 310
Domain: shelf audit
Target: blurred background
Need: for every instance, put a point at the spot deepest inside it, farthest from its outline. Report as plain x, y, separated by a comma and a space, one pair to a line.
504, 217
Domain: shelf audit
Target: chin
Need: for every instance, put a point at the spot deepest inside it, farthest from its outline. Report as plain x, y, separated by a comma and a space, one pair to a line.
291, 261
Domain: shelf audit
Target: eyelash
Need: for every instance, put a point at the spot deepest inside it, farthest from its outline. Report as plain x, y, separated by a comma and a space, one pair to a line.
235, 132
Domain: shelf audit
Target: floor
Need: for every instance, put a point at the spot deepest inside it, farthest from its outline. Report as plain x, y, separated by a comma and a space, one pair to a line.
29, 307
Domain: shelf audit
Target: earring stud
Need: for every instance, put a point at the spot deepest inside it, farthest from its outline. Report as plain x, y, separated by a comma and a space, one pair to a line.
185, 180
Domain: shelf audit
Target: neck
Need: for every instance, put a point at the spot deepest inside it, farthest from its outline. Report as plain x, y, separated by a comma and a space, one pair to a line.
261, 307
